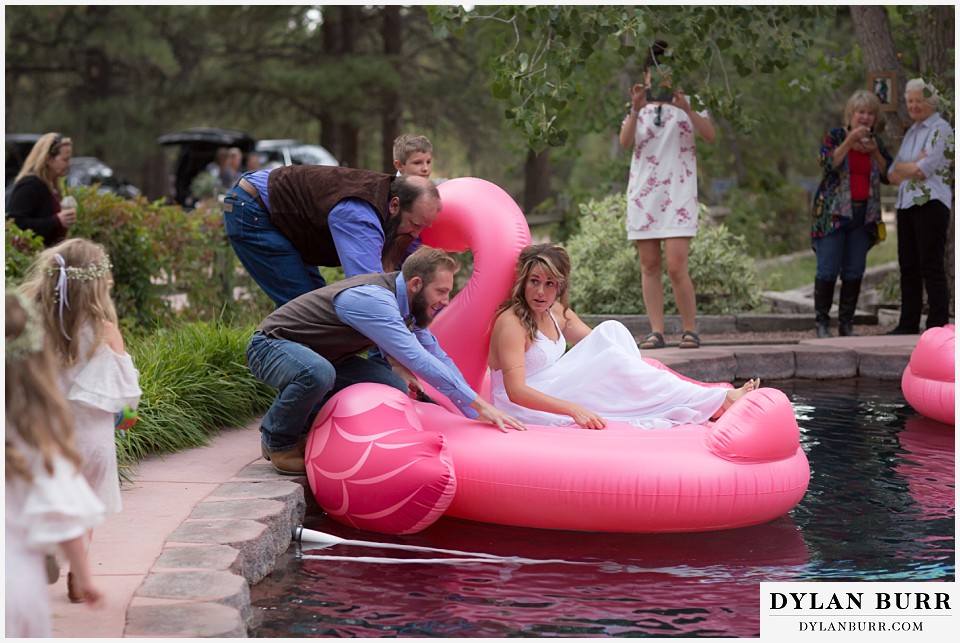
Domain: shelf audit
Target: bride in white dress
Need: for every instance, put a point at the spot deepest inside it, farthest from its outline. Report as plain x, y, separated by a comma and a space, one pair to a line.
534, 378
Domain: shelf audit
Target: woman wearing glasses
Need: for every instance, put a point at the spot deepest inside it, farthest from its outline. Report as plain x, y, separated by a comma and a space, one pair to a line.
662, 191
35, 201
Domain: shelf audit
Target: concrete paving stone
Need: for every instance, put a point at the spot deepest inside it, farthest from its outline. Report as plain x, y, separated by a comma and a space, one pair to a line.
883, 363
217, 532
277, 489
638, 325
259, 509
708, 366
290, 493
791, 302
187, 620
765, 362
277, 516
259, 470
257, 544
713, 325
772, 323
216, 557
200, 587
824, 362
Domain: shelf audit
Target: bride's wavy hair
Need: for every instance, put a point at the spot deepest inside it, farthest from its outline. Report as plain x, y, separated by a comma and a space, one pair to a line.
555, 261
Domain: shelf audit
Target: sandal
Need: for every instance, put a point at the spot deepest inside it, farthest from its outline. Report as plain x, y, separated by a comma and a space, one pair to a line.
689, 340
72, 593
653, 340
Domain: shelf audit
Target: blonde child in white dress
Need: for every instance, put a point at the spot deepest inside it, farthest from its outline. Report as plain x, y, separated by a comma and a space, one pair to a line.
70, 284
48, 502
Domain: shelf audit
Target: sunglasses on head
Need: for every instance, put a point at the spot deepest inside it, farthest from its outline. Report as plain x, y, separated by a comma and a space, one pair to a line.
57, 140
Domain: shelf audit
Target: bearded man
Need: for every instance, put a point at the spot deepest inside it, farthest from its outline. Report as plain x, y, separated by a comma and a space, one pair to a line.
310, 349
284, 222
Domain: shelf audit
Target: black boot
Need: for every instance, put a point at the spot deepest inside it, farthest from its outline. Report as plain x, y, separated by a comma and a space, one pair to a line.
822, 301
849, 294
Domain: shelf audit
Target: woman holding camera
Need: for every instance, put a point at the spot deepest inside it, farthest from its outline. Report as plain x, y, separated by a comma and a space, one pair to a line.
662, 203
847, 208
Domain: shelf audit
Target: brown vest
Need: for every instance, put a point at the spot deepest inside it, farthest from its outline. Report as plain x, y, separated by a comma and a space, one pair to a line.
301, 197
311, 320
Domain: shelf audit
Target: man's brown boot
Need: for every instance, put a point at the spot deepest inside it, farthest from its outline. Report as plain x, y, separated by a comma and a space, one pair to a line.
288, 463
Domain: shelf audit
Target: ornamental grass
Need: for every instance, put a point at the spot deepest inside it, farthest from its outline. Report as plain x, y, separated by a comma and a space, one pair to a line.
195, 383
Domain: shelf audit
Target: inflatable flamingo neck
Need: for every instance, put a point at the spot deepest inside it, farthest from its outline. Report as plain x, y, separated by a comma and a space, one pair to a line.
479, 216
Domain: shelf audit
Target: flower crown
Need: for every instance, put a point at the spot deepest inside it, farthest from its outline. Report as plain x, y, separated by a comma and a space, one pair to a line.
30, 339
65, 273
87, 273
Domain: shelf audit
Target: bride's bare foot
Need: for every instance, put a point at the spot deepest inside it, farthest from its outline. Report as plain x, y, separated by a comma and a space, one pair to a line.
735, 394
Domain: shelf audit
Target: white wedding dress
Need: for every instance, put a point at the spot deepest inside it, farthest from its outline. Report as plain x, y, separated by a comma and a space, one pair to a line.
604, 373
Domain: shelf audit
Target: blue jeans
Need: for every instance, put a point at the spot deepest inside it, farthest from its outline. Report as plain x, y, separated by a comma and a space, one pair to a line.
843, 253
264, 251
306, 381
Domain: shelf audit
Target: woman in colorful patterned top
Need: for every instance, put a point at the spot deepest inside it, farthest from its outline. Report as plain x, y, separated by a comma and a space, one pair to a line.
846, 209
662, 191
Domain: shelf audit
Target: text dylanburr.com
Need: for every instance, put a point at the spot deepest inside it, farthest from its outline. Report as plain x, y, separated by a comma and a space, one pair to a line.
858, 611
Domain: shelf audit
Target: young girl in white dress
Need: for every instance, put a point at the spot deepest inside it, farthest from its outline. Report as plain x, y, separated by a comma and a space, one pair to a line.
70, 285
48, 502
601, 378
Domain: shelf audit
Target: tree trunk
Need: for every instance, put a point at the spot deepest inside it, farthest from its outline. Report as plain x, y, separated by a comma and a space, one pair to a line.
537, 172
872, 26
736, 152
937, 40
349, 131
391, 109
329, 128
935, 64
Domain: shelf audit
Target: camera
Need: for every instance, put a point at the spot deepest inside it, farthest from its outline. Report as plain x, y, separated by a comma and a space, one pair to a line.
663, 95
872, 133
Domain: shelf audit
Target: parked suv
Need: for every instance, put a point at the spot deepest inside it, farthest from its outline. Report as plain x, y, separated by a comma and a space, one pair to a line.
198, 148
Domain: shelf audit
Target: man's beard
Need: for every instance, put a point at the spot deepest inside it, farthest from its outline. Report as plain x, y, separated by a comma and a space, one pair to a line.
420, 310
394, 245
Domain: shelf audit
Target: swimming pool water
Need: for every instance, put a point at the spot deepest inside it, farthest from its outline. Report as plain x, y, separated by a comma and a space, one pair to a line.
880, 507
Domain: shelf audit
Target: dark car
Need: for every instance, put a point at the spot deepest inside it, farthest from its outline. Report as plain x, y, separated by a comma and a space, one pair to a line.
199, 145
89, 170
84, 170
198, 149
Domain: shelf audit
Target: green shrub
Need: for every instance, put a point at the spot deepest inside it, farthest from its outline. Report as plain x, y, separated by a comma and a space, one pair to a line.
119, 225
21, 246
772, 221
889, 289
160, 253
195, 381
606, 268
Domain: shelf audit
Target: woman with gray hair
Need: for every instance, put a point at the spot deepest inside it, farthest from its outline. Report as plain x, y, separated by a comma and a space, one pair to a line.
846, 208
923, 211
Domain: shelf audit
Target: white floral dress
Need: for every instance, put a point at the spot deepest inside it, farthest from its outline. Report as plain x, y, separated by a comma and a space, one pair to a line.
662, 188
50, 509
97, 389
